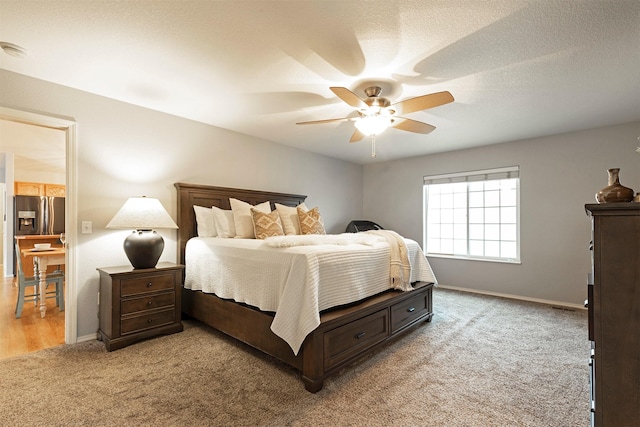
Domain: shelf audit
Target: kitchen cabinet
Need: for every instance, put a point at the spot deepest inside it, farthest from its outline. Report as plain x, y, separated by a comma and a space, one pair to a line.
28, 189
54, 190
22, 188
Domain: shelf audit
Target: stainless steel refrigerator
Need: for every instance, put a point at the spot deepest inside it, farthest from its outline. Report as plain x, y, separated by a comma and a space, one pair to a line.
38, 215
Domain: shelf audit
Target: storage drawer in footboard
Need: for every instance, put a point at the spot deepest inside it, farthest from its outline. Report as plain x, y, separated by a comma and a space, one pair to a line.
410, 310
344, 342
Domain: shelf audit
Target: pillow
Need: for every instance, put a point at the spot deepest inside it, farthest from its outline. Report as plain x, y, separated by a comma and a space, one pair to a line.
266, 224
224, 222
205, 221
242, 217
289, 218
310, 221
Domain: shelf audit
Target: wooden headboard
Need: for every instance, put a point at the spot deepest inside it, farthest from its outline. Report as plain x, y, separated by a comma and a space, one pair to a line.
207, 196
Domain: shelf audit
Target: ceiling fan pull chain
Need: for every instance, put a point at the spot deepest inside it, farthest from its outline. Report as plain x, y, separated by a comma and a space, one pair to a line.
373, 145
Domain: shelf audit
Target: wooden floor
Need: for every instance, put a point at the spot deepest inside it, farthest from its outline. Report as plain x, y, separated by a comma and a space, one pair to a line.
30, 332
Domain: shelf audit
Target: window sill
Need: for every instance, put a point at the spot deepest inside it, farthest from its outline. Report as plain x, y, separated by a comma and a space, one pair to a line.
464, 258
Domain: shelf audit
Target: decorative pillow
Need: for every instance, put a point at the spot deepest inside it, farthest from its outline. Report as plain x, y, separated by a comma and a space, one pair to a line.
310, 221
242, 217
289, 218
205, 221
266, 224
224, 222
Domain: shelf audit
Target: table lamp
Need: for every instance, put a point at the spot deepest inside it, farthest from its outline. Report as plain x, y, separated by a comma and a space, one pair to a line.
143, 246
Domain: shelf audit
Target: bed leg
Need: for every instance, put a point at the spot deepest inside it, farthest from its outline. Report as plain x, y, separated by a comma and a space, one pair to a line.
311, 385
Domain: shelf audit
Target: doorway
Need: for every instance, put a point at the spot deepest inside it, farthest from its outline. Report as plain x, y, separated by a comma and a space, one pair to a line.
69, 129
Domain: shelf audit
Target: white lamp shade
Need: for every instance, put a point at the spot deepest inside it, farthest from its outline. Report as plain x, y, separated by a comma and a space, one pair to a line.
142, 213
373, 125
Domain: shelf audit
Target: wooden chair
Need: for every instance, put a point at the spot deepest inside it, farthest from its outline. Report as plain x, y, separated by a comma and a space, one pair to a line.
24, 282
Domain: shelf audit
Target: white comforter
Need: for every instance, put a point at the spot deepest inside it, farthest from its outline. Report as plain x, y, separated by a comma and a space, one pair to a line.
296, 277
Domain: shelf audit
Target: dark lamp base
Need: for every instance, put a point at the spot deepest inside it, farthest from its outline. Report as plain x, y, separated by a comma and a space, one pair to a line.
143, 248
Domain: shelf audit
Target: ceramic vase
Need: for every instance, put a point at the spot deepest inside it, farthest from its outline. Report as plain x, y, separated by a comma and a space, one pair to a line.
614, 192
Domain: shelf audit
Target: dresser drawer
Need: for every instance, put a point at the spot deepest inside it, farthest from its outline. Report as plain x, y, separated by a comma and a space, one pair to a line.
345, 341
410, 310
148, 321
149, 283
133, 305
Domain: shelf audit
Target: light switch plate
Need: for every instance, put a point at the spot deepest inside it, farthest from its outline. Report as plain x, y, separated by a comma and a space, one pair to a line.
87, 227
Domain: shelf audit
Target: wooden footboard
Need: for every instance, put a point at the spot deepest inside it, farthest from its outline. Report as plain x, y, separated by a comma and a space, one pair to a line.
344, 335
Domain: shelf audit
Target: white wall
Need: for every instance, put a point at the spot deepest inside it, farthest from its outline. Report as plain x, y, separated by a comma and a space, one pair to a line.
558, 176
124, 151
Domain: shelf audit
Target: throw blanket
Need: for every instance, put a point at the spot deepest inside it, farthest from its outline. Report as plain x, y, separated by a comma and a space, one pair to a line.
400, 268
322, 239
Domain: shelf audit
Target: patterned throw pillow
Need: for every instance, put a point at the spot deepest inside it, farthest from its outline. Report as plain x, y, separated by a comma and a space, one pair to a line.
310, 221
266, 224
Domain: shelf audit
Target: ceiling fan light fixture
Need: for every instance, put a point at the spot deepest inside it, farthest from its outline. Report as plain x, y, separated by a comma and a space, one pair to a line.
373, 125
376, 113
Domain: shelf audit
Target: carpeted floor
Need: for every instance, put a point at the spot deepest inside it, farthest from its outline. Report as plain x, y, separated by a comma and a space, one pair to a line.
482, 361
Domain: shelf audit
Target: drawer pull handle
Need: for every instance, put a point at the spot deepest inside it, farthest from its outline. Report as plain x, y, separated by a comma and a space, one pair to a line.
150, 303
360, 335
149, 320
149, 285
411, 309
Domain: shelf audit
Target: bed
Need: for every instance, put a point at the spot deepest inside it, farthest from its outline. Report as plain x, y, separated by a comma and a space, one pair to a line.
344, 333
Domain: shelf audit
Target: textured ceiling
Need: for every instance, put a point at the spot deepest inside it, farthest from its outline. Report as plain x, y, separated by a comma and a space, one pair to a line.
517, 69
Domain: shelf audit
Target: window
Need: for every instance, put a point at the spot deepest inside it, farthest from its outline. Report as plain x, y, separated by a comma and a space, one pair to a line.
473, 215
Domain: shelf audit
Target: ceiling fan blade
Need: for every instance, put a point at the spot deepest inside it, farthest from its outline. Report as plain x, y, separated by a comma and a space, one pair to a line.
315, 122
357, 136
422, 102
412, 125
349, 97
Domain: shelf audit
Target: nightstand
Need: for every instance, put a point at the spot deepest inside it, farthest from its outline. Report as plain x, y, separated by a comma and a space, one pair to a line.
139, 303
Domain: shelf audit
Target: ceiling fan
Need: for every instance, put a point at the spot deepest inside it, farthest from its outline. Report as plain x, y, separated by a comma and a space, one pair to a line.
375, 113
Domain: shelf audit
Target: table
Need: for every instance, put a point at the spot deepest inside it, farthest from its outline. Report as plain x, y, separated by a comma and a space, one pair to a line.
41, 260
29, 242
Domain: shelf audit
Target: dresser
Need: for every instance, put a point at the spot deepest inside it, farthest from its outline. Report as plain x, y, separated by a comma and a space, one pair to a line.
136, 304
614, 314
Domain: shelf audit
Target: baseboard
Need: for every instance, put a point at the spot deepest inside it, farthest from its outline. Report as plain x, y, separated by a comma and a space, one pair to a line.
516, 297
89, 337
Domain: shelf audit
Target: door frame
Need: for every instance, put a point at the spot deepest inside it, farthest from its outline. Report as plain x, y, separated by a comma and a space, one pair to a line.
71, 207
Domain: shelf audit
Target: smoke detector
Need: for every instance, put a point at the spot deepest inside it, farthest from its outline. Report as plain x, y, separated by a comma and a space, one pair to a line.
13, 49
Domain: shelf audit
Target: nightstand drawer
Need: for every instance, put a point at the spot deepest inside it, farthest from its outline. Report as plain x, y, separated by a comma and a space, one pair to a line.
153, 320
147, 303
410, 310
146, 284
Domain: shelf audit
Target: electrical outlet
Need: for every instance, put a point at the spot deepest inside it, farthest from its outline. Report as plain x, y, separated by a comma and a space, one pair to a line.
87, 227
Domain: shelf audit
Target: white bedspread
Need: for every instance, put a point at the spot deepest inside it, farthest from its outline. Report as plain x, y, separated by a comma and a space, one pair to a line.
297, 281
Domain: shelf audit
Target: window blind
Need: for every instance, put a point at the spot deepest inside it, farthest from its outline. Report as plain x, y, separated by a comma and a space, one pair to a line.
479, 175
